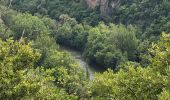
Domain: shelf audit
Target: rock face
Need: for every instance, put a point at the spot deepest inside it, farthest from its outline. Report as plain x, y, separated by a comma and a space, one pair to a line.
105, 5
92, 3
1, 17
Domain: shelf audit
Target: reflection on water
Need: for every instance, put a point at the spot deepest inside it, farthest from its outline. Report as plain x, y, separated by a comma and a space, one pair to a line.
88, 69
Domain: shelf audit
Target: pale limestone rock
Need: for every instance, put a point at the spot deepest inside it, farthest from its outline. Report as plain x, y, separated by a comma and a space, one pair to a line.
105, 5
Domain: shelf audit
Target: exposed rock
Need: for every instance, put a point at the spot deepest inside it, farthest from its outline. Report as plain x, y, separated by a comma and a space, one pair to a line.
92, 3
105, 5
1, 17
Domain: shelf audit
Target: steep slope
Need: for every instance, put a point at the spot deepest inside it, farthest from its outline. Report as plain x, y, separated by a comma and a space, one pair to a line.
105, 5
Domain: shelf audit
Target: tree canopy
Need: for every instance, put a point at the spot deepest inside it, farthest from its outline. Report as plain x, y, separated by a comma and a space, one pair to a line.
121, 37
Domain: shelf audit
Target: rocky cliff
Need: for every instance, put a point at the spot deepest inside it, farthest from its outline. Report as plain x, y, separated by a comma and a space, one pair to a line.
105, 5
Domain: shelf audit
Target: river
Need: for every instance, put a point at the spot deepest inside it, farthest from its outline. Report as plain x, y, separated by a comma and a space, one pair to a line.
88, 69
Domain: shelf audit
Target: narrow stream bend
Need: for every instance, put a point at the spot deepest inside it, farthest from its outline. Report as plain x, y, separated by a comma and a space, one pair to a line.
88, 70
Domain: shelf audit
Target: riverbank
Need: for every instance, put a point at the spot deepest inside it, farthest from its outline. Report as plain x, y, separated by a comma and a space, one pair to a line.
88, 69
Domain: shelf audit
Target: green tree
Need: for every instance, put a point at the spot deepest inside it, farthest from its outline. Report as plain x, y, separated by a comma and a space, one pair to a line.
27, 26
68, 74
72, 34
54, 8
18, 78
165, 95
161, 55
133, 82
150, 15
130, 84
4, 31
110, 45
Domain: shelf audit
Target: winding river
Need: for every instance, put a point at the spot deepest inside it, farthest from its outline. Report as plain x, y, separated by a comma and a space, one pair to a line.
89, 70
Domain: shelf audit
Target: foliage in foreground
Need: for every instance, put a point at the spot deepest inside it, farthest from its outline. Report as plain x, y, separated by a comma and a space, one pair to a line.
19, 79
133, 82
62, 78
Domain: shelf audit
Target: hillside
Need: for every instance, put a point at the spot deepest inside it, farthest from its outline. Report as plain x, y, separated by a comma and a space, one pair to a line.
85, 49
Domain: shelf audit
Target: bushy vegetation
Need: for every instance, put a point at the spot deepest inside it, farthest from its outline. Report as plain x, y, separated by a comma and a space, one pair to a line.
19, 79
133, 82
152, 16
110, 45
70, 33
32, 46
129, 45
54, 8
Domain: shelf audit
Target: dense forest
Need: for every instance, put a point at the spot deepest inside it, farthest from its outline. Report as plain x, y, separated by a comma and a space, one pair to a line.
128, 39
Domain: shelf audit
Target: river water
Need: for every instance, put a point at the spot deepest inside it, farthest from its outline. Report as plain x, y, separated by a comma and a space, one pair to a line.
88, 69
